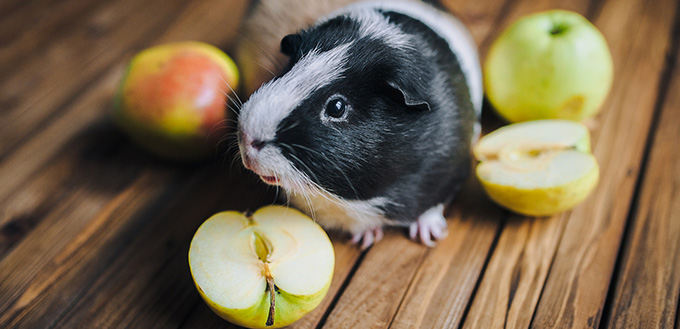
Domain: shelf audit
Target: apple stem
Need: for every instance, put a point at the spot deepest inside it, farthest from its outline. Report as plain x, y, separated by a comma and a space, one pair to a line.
272, 303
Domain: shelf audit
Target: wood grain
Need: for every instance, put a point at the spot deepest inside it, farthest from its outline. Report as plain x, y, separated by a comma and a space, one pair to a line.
439, 293
91, 107
514, 278
578, 282
31, 269
148, 284
518, 268
648, 282
34, 281
94, 232
19, 39
48, 83
372, 296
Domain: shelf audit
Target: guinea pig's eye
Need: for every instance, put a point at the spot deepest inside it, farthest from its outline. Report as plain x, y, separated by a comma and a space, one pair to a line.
336, 108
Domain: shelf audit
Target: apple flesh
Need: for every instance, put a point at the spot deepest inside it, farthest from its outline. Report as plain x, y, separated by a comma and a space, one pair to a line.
264, 270
537, 168
172, 99
549, 65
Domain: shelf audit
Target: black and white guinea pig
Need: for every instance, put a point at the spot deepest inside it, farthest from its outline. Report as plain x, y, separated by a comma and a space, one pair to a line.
370, 123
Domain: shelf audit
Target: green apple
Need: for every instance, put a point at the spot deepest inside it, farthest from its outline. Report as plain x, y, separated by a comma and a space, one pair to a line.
264, 270
537, 168
550, 65
172, 99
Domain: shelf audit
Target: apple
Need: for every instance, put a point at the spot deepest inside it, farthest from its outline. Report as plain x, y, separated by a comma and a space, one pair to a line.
262, 270
550, 65
537, 168
172, 99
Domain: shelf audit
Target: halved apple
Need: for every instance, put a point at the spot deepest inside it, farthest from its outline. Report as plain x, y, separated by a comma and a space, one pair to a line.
537, 168
263, 270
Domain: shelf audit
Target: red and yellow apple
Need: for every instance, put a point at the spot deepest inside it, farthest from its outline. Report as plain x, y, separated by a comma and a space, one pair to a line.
173, 99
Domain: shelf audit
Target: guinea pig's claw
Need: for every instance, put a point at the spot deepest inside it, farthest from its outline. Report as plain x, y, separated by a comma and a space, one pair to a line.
368, 237
430, 224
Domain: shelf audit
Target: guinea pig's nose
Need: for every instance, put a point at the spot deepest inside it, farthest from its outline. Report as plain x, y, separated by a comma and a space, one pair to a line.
258, 144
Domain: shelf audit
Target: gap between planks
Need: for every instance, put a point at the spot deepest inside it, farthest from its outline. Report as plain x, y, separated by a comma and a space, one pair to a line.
617, 308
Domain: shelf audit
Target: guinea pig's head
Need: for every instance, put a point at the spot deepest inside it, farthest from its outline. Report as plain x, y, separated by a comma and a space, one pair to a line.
344, 116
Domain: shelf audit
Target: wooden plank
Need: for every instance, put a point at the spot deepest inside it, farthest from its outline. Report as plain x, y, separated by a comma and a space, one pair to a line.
33, 268
372, 296
100, 94
20, 186
56, 75
78, 190
91, 107
54, 281
399, 282
20, 289
514, 278
578, 282
147, 284
451, 292
445, 281
20, 40
10, 7
213, 21
648, 280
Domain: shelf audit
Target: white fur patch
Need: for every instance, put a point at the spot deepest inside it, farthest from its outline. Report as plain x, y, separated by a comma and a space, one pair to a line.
374, 25
331, 212
275, 100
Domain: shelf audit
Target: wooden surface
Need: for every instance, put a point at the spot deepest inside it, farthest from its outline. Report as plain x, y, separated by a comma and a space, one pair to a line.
94, 232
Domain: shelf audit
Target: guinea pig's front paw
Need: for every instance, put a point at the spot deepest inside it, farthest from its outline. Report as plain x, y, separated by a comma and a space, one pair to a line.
368, 237
431, 224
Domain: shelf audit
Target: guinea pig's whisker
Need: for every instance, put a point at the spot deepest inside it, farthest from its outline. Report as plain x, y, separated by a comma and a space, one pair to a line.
266, 68
217, 126
296, 158
233, 110
236, 158
301, 185
289, 127
233, 144
309, 202
334, 163
240, 103
276, 188
273, 61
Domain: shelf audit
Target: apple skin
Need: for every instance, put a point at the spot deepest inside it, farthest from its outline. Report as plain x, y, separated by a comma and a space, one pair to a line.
172, 99
542, 202
550, 65
291, 308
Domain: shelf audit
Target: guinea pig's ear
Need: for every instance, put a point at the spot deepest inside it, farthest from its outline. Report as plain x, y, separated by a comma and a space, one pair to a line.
410, 93
290, 44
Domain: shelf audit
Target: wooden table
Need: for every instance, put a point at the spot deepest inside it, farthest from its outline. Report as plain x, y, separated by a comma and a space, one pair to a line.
94, 232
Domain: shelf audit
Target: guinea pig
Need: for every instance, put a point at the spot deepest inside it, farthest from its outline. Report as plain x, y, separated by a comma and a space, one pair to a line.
370, 123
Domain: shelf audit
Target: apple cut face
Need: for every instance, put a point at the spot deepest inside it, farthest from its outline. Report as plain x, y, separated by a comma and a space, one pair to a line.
537, 168
240, 262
